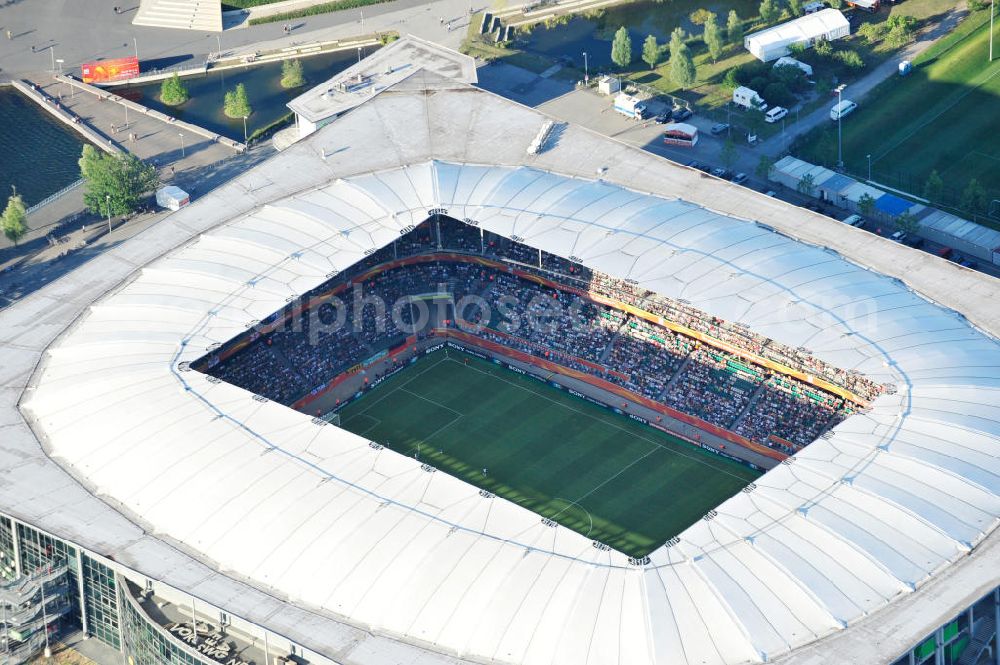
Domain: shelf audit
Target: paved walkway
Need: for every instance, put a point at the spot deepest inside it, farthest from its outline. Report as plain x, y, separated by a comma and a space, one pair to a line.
83, 30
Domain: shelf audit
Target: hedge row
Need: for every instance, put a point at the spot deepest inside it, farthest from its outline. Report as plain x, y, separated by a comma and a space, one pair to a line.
229, 5
324, 8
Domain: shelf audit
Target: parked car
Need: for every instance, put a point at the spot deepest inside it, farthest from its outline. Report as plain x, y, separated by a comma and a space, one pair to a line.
720, 172
945, 252
693, 164
719, 128
740, 178
775, 114
663, 118
842, 109
682, 113
857, 221
773, 194
899, 236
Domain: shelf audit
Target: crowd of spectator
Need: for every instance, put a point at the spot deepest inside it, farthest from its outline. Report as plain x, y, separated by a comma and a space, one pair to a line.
376, 309
788, 410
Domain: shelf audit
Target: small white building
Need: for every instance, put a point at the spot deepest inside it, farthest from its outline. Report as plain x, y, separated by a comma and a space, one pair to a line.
609, 85
773, 43
788, 61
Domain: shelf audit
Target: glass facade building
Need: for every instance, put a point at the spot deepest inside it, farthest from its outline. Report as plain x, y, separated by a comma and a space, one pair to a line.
105, 605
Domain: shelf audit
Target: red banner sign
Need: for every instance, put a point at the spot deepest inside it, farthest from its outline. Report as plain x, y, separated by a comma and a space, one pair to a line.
117, 69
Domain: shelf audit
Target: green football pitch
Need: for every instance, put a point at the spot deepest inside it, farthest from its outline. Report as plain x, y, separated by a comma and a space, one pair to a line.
602, 474
941, 117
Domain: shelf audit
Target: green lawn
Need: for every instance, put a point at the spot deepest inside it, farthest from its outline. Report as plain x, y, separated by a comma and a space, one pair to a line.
602, 474
943, 116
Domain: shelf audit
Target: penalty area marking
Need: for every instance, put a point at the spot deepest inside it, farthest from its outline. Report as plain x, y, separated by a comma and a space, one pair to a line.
569, 503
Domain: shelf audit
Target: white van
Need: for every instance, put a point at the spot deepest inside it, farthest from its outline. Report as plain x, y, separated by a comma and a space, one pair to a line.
775, 114
814, 7
845, 107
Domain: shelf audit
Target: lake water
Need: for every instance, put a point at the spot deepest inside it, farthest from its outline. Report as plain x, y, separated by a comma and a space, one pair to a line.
39, 153
267, 97
570, 40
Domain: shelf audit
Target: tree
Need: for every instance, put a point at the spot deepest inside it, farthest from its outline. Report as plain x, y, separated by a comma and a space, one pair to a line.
15, 219
807, 185
906, 223
791, 77
713, 37
900, 30
797, 49
795, 6
236, 104
871, 32
699, 16
682, 69
651, 52
291, 74
777, 94
850, 58
934, 187
866, 204
734, 28
728, 153
621, 48
677, 39
115, 184
769, 11
173, 92
89, 160
765, 167
731, 80
973, 197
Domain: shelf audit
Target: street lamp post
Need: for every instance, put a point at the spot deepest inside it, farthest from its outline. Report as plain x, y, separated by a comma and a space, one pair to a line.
992, 12
840, 144
869, 167
244, 130
359, 55
52, 53
60, 61
362, 21
182, 143
218, 41
586, 69
135, 43
107, 205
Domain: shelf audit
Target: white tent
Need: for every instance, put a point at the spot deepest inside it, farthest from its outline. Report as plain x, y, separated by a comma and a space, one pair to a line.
773, 43
787, 61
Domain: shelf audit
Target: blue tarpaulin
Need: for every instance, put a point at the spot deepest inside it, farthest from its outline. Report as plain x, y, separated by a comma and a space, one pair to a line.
892, 205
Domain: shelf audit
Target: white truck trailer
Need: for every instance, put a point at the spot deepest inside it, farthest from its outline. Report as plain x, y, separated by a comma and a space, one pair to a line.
748, 99
630, 107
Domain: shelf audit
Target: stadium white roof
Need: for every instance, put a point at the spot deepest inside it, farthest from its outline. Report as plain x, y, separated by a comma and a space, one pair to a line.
369, 559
